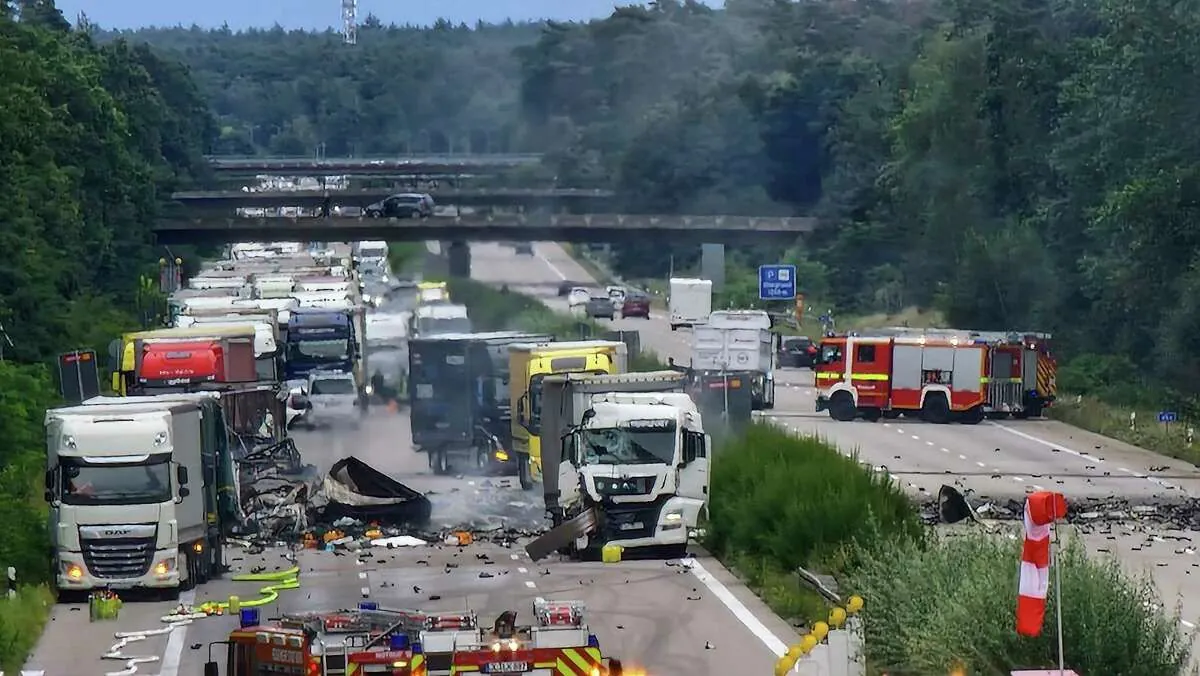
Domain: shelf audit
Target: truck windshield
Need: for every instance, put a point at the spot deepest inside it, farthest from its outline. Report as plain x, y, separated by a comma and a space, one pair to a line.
333, 386
320, 349
116, 484
627, 447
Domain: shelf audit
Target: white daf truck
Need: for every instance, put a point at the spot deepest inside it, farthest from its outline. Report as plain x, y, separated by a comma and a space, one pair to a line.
133, 491
632, 464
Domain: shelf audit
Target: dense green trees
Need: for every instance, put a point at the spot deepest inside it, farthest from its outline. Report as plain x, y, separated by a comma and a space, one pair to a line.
1015, 164
90, 139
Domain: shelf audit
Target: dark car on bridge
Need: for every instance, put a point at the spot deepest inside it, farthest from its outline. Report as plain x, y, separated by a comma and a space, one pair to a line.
636, 304
403, 205
797, 352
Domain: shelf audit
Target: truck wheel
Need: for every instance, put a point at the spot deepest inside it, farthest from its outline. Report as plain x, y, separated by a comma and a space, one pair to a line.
872, 414
441, 463
189, 569
674, 327
841, 407
973, 416
936, 409
218, 558
524, 473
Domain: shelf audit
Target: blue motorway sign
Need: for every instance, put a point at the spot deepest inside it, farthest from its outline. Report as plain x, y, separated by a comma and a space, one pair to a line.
777, 282
1167, 416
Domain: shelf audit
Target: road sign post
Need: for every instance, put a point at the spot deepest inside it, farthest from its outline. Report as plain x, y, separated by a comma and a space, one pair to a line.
776, 282
1166, 418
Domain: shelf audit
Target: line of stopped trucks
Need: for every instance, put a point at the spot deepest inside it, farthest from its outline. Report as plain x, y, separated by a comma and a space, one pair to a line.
144, 486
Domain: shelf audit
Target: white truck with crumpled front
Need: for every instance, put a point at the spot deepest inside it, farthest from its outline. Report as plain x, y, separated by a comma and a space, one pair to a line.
633, 464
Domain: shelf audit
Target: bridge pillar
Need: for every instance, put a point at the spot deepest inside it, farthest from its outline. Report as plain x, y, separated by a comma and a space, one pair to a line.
459, 258
712, 264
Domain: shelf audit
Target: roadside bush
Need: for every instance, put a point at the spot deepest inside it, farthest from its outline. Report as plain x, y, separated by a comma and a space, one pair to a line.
21, 622
953, 601
797, 501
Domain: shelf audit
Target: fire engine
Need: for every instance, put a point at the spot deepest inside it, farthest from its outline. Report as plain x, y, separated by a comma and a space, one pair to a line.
368, 640
938, 374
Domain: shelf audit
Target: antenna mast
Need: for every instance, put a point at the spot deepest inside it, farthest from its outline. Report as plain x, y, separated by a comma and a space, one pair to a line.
350, 22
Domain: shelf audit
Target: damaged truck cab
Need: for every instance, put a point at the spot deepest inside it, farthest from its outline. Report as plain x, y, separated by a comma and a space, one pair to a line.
633, 469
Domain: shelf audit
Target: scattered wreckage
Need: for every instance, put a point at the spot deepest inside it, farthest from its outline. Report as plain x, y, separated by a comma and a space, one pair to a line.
282, 497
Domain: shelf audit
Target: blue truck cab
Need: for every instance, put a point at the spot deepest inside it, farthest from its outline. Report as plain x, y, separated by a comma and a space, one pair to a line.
320, 339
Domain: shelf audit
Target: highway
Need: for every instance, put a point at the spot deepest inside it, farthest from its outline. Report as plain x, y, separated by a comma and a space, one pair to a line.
994, 461
669, 618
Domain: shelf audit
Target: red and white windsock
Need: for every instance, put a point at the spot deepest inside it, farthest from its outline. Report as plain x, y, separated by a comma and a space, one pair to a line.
1042, 509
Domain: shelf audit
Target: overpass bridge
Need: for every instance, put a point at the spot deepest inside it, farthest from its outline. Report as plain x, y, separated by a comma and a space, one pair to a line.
345, 166
223, 203
490, 227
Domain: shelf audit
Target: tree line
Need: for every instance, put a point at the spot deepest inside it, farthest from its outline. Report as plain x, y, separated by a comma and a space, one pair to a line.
1018, 165
91, 137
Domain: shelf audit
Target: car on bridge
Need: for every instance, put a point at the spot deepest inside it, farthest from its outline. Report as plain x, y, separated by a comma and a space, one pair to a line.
403, 205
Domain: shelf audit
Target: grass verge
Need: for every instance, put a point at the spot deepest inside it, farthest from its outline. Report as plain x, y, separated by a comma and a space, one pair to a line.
946, 602
781, 502
21, 621
1143, 430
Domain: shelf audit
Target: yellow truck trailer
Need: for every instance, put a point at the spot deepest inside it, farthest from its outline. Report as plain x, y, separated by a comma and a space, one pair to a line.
528, 365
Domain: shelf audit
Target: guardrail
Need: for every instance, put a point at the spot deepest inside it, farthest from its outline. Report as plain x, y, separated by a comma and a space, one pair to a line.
833, 648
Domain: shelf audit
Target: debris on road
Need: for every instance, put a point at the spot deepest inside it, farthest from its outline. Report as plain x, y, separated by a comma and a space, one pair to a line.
355, 489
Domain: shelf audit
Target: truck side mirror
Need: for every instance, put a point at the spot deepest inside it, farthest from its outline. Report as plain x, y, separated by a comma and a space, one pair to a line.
50, 480
523, 410
181, 476
569, 448
183, 493
211, 669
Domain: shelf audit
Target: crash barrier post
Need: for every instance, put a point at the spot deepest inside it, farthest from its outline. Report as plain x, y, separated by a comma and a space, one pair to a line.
833, 648
12, 584
183, 616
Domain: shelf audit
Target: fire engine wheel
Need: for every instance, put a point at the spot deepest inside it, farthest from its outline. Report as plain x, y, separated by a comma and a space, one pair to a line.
973, 416
841, 407
936, 409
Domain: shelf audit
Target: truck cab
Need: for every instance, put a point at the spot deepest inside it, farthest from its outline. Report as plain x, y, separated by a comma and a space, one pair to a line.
642, 459
122, 511
320, 339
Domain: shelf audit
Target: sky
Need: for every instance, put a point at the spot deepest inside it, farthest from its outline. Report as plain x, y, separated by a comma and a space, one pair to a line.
321, 14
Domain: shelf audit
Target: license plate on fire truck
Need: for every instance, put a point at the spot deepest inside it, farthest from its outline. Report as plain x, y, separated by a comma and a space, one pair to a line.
507, 667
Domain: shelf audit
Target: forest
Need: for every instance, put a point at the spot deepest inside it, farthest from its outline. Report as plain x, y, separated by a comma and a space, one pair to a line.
1016, 165
91, 137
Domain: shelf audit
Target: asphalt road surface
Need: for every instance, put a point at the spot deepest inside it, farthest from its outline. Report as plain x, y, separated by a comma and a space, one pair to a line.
994, 461
670, 618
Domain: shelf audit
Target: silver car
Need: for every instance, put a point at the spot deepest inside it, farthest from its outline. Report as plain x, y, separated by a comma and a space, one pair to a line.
333, 399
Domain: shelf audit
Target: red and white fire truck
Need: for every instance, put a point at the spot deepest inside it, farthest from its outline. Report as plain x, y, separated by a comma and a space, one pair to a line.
369, 640
941, 375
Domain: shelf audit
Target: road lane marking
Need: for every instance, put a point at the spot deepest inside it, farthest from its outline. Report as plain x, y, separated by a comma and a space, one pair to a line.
522, 570
173, 654
553, 267
530, 584
735, 606
1085, 456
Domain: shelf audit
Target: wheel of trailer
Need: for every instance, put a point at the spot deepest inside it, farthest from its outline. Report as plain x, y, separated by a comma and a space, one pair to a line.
936, 409
872, 414
203, 566
217, 559
189, 569
890, 414
441, 462
524, 473
841, 407
973, 416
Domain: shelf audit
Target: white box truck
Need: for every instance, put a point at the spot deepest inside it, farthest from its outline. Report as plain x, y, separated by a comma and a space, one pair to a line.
739, 341
690, 301
133, 492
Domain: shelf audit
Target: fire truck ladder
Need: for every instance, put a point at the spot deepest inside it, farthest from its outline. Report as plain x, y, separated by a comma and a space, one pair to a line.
361, 630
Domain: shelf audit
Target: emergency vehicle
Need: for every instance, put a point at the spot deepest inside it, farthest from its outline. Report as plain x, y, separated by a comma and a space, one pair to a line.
939, 374
369, 640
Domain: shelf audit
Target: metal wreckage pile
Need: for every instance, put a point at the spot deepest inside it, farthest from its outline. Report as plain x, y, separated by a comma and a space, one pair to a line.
282, 498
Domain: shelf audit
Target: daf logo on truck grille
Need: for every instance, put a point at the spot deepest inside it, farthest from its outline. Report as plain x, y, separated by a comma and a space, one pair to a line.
116, 532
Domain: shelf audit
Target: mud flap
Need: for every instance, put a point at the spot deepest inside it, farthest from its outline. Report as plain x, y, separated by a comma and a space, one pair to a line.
562, 535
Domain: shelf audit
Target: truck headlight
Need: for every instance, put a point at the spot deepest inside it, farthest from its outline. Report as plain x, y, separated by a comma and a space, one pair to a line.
164, 567
673, 517
370, 390
73, 571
